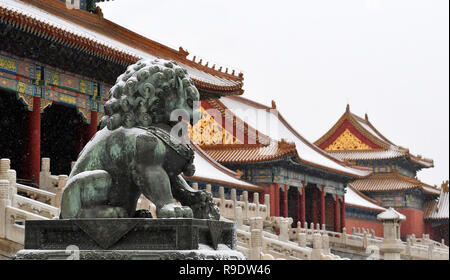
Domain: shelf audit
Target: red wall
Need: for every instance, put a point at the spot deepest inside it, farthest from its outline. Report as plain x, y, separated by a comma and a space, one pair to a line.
414, 222
357, 223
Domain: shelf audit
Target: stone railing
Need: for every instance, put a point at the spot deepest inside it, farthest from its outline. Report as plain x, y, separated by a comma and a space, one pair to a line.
255, 226
47, 181
36, 207
15, 209
363, 242
426, 241
240, 211
257, 244
14, 226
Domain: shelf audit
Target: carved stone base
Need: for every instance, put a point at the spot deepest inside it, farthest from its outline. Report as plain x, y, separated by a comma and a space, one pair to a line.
129, 239
205, 254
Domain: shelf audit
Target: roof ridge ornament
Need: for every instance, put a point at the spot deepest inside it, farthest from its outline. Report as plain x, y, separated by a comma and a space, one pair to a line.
347, 109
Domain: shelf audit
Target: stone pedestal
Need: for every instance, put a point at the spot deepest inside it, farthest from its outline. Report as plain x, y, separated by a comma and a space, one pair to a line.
177, 239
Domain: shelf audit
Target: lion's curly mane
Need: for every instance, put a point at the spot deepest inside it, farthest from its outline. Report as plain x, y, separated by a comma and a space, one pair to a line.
146, 94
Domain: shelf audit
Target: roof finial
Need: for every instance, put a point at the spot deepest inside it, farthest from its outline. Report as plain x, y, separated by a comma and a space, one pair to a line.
367, 117
274, 105
348, 108
183, 52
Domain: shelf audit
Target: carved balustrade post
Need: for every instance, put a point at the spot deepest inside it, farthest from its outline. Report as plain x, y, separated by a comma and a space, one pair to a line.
244, 198
301, 239
284, 230
326, 243
317, 246
4, 202
4, 167
44, 176
256, 201
62, 181
267, 203
209, 188
234, 200
239, 216
12, 178
256, 244
222, 200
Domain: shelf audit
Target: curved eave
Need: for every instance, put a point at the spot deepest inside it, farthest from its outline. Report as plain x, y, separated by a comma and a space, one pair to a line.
306, 142
424, 163
378, 139
401, 183
337, 172
354, 121
363, 207
113, 31
224, 183
233, 176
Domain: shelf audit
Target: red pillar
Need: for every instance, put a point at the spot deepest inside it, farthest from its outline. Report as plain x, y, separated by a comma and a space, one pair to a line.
314, 211
342, 213
302, 205
285, 201
322, 206
34, 145
92, 128
277, 200
337, 214
273, 204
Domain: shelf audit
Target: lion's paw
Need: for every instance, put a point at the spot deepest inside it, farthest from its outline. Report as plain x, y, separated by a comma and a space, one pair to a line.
175, 211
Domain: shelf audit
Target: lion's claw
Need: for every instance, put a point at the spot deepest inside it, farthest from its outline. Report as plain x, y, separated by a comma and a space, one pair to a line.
175, 211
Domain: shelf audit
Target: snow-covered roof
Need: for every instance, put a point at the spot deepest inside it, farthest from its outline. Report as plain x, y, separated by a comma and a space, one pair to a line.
211, 171
439, 209
60, 23
271, 123
381, 182
361, 129
357, 199
68, 24
391, 214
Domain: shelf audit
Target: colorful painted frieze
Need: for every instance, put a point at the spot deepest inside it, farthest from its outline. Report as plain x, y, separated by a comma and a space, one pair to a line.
28, 78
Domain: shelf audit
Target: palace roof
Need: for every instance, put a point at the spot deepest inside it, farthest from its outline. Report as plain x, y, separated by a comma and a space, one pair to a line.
210, 171
100, 37
381, 182
271, 142
355, 138
391, 214
438, 209
357, 199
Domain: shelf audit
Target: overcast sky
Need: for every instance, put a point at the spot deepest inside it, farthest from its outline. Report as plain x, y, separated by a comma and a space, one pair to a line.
387, 58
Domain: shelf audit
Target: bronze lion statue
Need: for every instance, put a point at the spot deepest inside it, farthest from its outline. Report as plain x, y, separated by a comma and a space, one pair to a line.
136, 152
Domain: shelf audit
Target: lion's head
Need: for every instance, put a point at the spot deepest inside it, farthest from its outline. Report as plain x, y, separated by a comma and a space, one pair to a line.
148, 92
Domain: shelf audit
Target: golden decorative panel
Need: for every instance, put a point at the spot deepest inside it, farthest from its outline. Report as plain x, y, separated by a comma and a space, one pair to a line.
45, 103
208, 131
26, 99
347, 141
8, 64
85, 114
